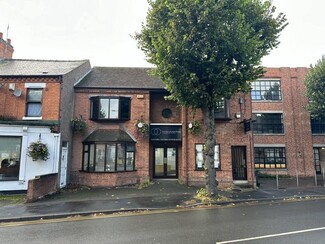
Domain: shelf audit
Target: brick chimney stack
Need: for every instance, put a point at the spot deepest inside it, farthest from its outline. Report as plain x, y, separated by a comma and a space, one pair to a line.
6, 49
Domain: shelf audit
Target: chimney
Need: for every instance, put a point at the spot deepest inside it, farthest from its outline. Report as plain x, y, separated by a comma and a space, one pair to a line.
6, 49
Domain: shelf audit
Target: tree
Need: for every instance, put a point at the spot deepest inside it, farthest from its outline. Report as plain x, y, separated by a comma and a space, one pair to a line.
315, 84
207, 50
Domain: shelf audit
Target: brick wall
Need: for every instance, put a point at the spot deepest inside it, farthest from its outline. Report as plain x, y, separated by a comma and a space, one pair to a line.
42, 186
6, 49
15, 107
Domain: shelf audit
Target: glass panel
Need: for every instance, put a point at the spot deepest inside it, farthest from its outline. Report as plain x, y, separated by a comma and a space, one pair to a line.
85, 163
199, 156
113, 108
159, 161
91, 158
129, 160
103, 112
110, 157
120, 157
171, 161
100, 157
10, 148
34, 109
125, 108
34, 95
216, 157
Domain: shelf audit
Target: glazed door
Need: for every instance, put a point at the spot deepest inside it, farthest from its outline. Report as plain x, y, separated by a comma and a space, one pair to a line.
239, 167
165, 162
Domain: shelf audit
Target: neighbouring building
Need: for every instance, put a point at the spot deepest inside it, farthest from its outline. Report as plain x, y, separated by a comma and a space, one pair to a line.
6, 49
36, 105
134, 134
286, 139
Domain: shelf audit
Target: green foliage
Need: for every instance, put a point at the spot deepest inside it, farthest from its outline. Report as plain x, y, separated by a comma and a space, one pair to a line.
142, 127
38, 150
205, 50
195, 128
315, 84
78, 124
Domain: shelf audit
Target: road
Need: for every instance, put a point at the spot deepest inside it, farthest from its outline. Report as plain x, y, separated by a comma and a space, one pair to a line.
285, 222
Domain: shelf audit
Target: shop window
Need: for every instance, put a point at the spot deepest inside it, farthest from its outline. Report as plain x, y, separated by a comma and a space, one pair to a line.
270, 158
108, 157
10, 148
199, 159
110, 108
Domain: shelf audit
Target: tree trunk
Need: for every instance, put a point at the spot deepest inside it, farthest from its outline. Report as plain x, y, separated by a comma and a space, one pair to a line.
210, 141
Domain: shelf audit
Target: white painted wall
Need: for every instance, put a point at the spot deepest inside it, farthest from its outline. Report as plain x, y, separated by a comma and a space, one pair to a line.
29, 168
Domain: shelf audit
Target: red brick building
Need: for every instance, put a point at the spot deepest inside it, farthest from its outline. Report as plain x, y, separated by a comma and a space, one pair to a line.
133, 134
286, 139
36, 104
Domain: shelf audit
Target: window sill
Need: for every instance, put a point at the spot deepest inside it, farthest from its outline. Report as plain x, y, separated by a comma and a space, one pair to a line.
32, 118
203, 170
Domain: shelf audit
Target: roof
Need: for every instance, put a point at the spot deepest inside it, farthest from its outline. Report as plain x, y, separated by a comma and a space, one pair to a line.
109, 135
121, 78
29, 67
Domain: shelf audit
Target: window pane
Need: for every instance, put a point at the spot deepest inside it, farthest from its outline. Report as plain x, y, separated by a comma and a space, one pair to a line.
266, 90
10, 148
113, 108
34, 95
100, 157
216, 157
269, 158
110, 157
104, 112
199, 156
85, 162
91, 157
125, 108
120, 157
34, 109
129, 160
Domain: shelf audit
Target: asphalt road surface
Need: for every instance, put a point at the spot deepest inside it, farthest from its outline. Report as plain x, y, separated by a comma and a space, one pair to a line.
285, 222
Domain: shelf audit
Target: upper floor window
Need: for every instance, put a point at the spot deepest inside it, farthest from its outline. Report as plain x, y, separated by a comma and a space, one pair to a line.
317, 125
221, 110
34, 102
199, 161
110, 108
268, 123
266, 90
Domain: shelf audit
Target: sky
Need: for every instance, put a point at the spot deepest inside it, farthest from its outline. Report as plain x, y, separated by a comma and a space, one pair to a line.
101, 31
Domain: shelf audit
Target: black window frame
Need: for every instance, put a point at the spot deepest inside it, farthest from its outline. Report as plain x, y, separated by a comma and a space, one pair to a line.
263, 158
268, 125
218, 167
222, 110
261, 88
90, 164
317, 125
31, 101
124, 108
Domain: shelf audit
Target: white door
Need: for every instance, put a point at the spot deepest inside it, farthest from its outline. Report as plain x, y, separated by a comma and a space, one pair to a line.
63, 170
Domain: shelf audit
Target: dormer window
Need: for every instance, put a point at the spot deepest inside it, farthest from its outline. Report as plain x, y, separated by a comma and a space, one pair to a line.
110, 108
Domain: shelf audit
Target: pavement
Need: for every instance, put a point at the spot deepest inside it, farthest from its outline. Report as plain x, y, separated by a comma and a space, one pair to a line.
158, 195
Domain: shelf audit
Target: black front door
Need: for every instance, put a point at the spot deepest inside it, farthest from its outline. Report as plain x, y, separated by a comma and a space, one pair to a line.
165, 162
239, 167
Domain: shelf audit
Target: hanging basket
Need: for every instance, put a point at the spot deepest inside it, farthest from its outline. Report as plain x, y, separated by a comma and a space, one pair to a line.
38, 151
142, 127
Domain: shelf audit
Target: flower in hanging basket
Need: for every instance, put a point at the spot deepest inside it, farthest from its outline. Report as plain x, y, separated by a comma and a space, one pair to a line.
38, 150
194, 128
78, 124
142, 127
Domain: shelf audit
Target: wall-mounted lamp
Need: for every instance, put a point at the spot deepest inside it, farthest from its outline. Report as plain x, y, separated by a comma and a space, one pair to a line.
238, 115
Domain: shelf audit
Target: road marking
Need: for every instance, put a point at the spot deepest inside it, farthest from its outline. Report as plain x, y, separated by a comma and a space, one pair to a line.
273, 235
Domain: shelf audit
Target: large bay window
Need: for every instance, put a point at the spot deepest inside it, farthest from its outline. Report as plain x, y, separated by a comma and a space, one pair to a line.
108, 157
